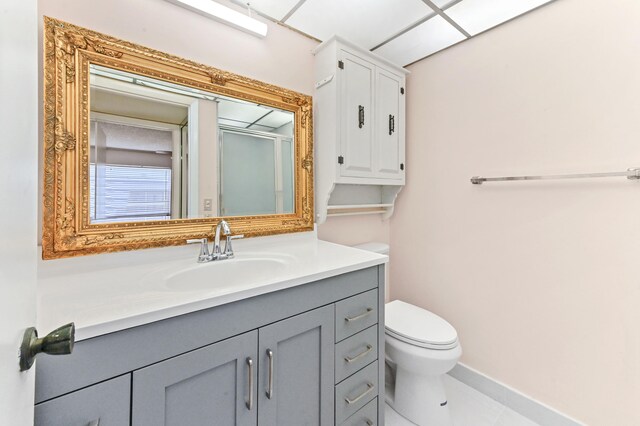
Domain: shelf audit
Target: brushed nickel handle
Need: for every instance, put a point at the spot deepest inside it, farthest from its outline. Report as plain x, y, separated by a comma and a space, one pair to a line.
360, 316
270, 383
370, 387
250, 372
95, 422
360, 355
392, 124
369, 422
360, 116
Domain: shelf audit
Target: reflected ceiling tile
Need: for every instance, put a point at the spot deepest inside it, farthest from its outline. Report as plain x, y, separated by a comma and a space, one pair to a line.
476, 16
421, 41
277, 9
276, 119
363, 22
241, 111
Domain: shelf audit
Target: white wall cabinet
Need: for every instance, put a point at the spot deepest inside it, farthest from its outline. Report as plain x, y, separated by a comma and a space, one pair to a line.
359, 116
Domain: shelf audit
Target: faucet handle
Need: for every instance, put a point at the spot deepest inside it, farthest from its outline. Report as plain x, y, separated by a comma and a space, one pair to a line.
204, 255
228, 249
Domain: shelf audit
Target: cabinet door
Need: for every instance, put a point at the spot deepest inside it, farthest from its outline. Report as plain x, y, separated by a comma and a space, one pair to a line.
214, 385
389, 144
106, 404
356, 116
296, 370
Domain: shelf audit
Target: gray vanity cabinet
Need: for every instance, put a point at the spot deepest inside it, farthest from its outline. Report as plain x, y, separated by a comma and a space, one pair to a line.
305, 355
211, 385
296, 370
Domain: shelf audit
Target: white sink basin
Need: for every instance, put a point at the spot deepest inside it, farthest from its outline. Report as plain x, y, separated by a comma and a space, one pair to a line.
227, 274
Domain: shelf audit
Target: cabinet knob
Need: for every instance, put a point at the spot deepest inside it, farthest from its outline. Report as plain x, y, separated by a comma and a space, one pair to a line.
59, 342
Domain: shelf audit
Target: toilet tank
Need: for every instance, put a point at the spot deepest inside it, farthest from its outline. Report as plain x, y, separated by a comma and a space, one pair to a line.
375, 247
381, 248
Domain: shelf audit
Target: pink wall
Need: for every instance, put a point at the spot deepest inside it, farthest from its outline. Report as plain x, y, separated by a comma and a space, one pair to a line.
541, 280
283, 58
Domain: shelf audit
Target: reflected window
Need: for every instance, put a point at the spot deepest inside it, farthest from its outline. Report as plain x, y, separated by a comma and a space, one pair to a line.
131, 193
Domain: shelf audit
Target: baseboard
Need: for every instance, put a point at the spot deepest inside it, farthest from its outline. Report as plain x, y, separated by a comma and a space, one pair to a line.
509, 397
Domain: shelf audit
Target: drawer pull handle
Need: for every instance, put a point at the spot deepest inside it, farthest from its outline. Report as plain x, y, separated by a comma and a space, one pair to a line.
360, 116
360, 355
369, 422
250, 372
370, 387
270, 384
95, 422
359, 317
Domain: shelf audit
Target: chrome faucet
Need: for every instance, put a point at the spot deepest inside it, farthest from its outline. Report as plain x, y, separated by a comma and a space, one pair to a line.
217, 254
224, 227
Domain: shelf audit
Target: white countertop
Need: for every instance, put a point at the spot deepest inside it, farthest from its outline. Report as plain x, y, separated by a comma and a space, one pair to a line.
106, 293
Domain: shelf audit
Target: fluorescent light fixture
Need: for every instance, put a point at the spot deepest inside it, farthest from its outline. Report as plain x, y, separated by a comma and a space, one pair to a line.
224, 14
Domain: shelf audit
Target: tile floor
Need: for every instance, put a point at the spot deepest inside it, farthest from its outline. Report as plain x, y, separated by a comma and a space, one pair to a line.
469, 408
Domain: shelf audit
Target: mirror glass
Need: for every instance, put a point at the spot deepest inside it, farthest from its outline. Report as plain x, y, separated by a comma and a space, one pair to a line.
160, 151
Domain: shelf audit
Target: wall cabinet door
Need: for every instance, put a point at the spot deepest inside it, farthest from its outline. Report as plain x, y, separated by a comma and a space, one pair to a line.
211, 385
356, 116
389, 125
296, 370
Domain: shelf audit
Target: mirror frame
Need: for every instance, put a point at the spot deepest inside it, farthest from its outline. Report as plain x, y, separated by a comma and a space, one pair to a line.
67, 231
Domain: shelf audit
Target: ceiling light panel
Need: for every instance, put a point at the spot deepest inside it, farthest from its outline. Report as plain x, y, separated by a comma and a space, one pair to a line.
476, 16
423, 40
363, 22
224, 14
276, 9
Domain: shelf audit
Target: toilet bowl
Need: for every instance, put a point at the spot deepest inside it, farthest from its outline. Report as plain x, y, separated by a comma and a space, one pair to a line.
420, 348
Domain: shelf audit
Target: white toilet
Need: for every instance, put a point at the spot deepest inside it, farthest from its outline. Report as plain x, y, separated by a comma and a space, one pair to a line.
420, 348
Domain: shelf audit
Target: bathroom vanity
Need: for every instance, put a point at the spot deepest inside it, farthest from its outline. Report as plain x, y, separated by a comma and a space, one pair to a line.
298, 343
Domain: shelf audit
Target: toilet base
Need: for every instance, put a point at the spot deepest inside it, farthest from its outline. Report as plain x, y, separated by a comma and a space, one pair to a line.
422, 399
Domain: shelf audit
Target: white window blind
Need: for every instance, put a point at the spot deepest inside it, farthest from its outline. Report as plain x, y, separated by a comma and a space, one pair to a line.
130, 193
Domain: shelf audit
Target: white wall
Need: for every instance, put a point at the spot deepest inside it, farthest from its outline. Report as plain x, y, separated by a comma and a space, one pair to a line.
18, 206
283, 58
541, 280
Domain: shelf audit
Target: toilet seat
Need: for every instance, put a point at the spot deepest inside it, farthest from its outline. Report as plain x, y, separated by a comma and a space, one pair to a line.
418, 327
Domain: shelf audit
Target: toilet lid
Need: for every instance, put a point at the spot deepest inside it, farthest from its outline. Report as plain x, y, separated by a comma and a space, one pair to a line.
418, 326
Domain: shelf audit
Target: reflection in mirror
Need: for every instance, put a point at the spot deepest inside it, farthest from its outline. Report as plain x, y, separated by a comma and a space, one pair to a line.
159, 151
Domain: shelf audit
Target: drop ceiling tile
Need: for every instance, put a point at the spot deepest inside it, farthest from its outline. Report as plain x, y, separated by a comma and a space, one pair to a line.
476, 16
363, 22
423, 40
277, 9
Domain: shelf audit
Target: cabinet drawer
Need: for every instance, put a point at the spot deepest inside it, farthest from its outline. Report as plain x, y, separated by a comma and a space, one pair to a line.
107, 404
366, 416
356, 313
356, 391
355, 352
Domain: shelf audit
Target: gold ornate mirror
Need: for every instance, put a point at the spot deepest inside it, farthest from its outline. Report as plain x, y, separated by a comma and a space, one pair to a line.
145, 149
